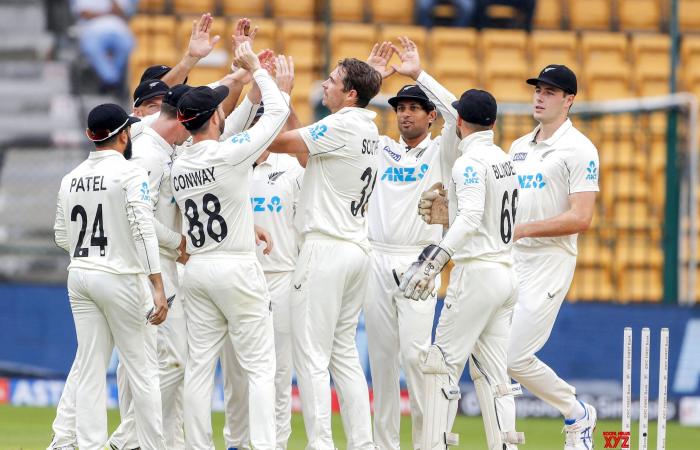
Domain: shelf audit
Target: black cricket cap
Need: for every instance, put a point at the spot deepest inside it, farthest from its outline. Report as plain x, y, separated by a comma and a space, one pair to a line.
106, 120
149, 89
477, 106
198, 104
155, 72
412, 92
559, 76
175, 93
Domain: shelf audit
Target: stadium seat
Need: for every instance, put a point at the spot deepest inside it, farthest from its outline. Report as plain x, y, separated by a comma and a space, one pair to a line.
623, 185
392, 11
302, 40
145, 26
589, 14
418, 35
604, 49
351, 40
592, 284
634, 218
457, 79
689, 15
620, 152
554, 47
548, 15
296, 9
249, 8
151, 6
507, 83
690, 61
194, 6
453, 48
347, 10
203, 75
593, 253
651, 56
642, 284
504, 48
607, 82
639, 14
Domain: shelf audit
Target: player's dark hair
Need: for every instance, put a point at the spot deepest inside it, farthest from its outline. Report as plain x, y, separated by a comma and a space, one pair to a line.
108, 143
201, 129
168, 111
361, 77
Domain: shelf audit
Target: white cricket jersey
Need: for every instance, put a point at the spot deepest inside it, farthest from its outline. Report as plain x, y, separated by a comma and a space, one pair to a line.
137, 128
104, 216
404, 173
210, 180
153, 153
340, 175
487, 197
274, 193
548, 172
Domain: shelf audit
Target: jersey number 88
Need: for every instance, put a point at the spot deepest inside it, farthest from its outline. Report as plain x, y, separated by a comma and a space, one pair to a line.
212, 208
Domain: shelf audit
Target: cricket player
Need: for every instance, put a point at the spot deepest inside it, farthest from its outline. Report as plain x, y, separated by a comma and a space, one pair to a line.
224, 289
275, 186
397, 330
154, 149
104, 218
557, 169
148, 97
331, 274
475, 321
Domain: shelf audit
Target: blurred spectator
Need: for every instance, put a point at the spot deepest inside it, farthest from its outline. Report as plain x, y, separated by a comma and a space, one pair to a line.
464, 12
526, 10
105, 37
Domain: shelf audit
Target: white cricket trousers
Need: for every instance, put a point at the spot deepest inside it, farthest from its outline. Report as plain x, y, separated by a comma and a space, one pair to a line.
475, 322
172, 356
544, 280
398, 329
235, 393
111, 309
226, 297
328, 291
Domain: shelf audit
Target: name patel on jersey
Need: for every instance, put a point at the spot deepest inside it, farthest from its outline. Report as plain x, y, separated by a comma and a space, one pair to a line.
502, 170
88, 184
194, 179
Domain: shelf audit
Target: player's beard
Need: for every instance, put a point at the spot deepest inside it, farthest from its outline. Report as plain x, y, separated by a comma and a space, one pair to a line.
458, 132
127, 149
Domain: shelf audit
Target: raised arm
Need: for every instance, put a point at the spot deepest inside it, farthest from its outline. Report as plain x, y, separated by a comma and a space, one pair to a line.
199, 47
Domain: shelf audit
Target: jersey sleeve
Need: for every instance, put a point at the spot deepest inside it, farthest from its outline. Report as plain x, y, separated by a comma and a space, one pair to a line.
247, 146
325, 137
584, 167
59, 226
469, 177
240, 119
149, 160
449, 142
140, 216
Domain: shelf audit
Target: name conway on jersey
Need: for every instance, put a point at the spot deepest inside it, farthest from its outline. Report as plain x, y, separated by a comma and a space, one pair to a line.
209, 180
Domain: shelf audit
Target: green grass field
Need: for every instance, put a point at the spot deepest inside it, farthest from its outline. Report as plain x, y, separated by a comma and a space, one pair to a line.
30, 429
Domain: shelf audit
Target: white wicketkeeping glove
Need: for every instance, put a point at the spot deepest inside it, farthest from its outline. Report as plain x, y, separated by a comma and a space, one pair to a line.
419, 279
432, 206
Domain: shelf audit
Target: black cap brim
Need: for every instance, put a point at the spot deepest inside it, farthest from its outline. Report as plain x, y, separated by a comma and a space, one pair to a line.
534, 81
394, 101
150, 95
220, 93
133, 120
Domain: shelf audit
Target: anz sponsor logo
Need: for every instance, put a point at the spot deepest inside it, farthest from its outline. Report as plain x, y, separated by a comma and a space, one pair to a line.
470, 176
395, 156
241, 138
404, 174
262, 204
535, 181
592, 172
